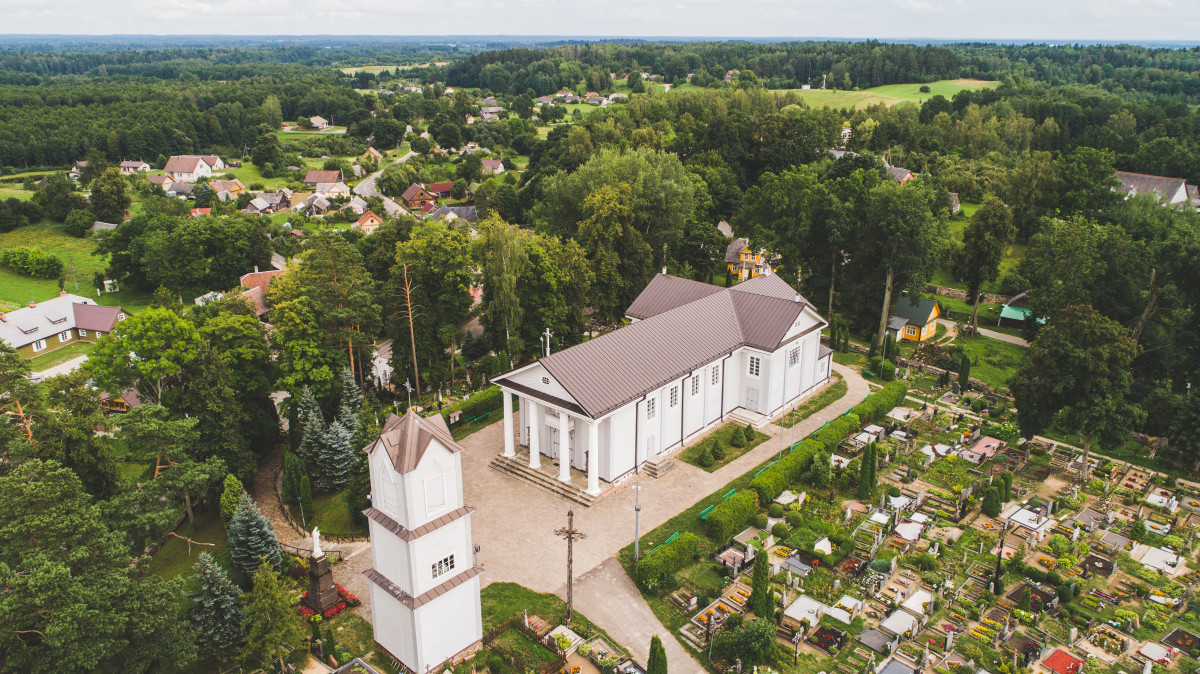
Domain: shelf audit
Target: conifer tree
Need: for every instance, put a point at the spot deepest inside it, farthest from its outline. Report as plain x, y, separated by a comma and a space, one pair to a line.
351, 402
273, 627
991, 502
762, 600
964, 373
306, 500
312, 428
216, 613
657, 663
293, 473
866, 473
251, 538
336, 457
231, 496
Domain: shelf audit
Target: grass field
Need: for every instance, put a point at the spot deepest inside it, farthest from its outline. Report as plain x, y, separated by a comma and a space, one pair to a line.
173, 559
692, 454
889, 94
375, 70
992, 361
15, 193
59, 356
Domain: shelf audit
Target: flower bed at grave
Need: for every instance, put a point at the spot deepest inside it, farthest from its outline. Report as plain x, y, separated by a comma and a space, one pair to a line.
348, 599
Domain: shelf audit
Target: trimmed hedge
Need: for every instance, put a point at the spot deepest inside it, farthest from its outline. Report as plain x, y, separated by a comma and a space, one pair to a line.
489, 399
667, 560
772, 481
881, 402
837, 430
731, 516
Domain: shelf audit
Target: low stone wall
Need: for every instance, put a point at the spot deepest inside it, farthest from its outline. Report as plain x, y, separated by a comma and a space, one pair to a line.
955, 293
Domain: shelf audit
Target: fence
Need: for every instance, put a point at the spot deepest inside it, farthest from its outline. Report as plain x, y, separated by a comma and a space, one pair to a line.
518, 623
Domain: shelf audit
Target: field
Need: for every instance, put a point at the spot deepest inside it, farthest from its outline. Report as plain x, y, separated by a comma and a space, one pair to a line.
19, 290
889, 94
375, 70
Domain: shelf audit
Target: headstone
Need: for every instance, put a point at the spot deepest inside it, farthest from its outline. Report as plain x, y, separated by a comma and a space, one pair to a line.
774, 569
1073, 635
692, 603
1148, 667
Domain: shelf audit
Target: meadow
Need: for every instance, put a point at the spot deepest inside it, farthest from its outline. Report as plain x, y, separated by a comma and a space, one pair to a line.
889, 94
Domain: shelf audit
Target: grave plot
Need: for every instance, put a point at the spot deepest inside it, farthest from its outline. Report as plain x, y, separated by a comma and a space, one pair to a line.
1136, 479
1183, 640
826, 638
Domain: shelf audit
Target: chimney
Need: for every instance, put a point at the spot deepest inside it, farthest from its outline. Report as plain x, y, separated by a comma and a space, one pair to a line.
797, 298
255, 269
664, 271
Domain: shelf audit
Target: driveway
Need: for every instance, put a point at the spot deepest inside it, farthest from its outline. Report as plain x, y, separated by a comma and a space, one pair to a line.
990, 334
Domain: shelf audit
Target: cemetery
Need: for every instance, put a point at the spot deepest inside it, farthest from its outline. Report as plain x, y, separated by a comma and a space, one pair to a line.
912, 534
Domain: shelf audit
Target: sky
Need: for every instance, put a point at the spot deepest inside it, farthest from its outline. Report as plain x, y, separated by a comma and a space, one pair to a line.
993, 20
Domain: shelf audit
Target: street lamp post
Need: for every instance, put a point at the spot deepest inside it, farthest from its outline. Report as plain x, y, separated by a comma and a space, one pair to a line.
303, 523
637, 511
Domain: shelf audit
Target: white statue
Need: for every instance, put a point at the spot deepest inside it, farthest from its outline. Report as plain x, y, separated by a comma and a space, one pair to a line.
317, 552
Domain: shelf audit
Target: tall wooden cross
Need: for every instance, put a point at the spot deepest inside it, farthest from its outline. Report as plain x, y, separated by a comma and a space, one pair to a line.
571, 534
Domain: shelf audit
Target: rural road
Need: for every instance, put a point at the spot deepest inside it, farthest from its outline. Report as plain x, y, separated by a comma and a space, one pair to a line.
366, 188
990, 334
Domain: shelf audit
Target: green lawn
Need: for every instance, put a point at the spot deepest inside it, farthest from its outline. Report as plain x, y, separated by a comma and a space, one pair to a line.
692, 454
173, 559
15, 193
992, 360
1012, 254
334, 516
59, 356
17, 289
820, 402
889, 95
501, 601
248, 173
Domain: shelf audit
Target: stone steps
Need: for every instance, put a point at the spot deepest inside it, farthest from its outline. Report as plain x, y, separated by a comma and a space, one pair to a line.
742, 416
658, 466
520, 470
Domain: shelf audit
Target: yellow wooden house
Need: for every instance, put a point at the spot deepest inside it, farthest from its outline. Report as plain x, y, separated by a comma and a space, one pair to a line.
914, 319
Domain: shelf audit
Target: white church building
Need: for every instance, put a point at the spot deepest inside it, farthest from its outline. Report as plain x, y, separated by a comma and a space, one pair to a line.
694, 354
424, 586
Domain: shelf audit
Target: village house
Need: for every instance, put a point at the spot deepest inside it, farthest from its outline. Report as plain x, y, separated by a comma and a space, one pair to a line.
315, 178
232, 187
440, 190
914, 322
371, 154
744, 263
316, 205
54, 323
416, 197
357, 205
318, 123
77, 169
269, 202
608, 405
99, 226
900, 175
189, 168
129, 167
256, 284
368, 223
491, 167
424, 583
164, 182
1170, 191
338, 190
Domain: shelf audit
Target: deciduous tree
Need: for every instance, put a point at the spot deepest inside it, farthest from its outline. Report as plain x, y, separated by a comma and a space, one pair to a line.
272, 626
984, 241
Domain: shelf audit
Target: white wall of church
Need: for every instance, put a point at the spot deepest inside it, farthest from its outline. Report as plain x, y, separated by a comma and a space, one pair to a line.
449, 624
438, 545
389, 556
394, 628
432, 490
617, 434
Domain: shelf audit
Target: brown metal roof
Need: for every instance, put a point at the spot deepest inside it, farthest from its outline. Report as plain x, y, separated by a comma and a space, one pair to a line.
96, 317
410, 535
416, 602
605, 373
1140, 183
665, 292
406, 438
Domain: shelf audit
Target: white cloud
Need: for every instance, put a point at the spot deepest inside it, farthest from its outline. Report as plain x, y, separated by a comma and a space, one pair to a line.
918, 6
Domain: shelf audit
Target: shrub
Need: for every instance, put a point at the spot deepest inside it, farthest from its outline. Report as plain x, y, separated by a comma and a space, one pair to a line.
231, 496
881, 402
760, 521
793, 518
734, 620
924, 89
31, 262
751, 434
731, 515
772, 481
667, 560
738, 439
837, 430
887, 370
718, 450
488, 400
775, 510
705, 460
780, 531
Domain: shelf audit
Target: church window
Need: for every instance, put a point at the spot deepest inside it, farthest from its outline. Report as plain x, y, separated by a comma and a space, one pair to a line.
651, 412
755, 366
435, 492
695, 384
442, 566
674, 396
716, 374
794, 357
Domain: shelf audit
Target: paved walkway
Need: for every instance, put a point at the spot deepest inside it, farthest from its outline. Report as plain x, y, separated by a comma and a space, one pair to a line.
990, 334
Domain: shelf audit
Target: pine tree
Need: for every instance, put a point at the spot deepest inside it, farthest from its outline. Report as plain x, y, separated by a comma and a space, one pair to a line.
293, 473
272, 625
306, 501
351, 402
251, 538
336, 457
750, 433
705, 458
231, 496
738, 439
312, 428
964, 373
216, 613
762, 601
358, 490
657, 663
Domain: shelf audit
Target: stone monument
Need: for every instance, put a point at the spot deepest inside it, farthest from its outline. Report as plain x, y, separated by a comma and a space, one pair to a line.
322, 592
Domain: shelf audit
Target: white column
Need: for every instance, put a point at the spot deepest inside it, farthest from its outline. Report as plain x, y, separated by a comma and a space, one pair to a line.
564, 447
593, 463
509, 450
535, 428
